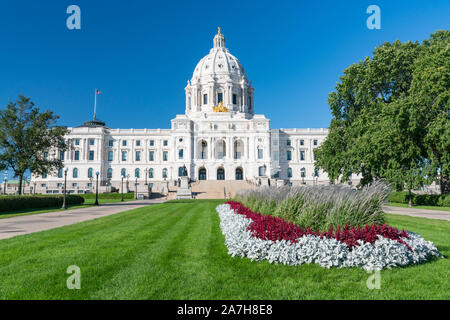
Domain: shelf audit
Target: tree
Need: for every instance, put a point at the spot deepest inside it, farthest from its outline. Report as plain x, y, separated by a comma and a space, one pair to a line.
388, 122
29, 140
430, 105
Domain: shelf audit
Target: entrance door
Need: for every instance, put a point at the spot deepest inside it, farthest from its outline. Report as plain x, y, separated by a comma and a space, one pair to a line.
202, 174
220, 174
239, 175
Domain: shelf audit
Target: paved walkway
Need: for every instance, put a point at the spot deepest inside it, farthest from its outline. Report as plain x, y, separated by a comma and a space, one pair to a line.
15, 226
422, 213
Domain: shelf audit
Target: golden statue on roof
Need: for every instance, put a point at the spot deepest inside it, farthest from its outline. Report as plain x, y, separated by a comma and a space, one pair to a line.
220, 108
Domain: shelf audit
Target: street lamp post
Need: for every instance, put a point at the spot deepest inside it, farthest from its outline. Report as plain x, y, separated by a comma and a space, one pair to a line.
64, 205
96, 190
121, 199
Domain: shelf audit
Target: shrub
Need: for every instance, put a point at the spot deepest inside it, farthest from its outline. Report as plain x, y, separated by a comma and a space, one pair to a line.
420, 199
12, 203
319, 207
399, 197
110, 195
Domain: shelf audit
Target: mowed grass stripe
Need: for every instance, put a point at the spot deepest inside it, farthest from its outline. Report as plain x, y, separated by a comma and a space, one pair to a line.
176, 251
100, 253
147, 275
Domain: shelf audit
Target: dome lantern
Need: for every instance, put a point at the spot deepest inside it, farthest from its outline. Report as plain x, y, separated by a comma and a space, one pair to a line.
219, 40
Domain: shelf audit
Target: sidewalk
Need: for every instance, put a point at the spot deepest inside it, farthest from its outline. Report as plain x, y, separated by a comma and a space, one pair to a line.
15, 226
422, 213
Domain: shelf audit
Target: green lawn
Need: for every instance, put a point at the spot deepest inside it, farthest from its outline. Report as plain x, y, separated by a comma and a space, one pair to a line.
176, 251
26, 212
403, 205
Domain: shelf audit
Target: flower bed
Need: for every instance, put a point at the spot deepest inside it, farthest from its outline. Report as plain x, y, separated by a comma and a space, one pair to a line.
258, 237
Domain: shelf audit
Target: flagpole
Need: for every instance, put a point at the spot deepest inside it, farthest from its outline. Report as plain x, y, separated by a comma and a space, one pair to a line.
95, 102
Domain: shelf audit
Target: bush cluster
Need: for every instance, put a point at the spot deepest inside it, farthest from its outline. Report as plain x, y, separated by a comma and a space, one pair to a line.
319, 207
421, 199
110, 195
12, 203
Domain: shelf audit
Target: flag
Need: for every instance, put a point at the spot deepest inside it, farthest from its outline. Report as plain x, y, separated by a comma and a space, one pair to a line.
98, 92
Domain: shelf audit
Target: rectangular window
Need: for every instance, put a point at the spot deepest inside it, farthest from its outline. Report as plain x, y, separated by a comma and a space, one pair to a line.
302, 142
288, 155
315, 142
77, 142
138, 156
275, 155
124, 143
77, 155
205, 99
124, 156
219, 97
302, 155
288, 142
110, 156
289, 173
260, 153
165, 156
91, 142
45, 155
314, 155
152, 156
138, 143
74, 185
165, 143
111, 143
91, 155
234, 98
59, 185
180, 153
61, 155
152, 143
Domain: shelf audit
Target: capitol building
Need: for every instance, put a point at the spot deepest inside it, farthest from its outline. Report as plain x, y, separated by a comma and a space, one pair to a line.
219, 137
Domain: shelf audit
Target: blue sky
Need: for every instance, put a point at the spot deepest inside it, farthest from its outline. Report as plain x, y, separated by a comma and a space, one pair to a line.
140, 54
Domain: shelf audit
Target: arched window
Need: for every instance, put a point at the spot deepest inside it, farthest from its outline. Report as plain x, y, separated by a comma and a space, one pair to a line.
150, 173
239, 175
137, 173
60, 173
164, 173
303, 172
220, 173
90, 173
75, 173
123, 173
109, 173
180, 171
180, 154
261, 171
202, 174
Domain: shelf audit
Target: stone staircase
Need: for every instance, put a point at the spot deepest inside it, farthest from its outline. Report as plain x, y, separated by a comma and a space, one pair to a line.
218, 189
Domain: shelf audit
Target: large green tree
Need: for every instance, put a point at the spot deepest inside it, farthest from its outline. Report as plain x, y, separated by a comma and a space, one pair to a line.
391, 117
29, 139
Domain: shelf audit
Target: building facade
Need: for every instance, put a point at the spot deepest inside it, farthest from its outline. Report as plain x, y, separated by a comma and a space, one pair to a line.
219, 137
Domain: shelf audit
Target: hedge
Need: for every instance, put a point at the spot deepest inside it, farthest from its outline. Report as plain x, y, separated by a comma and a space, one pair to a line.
421, 199
12, 203
111, 195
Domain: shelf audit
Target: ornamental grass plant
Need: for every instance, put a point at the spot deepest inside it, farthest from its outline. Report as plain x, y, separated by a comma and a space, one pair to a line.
320, 207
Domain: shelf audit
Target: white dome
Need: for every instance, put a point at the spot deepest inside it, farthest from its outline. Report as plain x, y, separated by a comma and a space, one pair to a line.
219, 62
